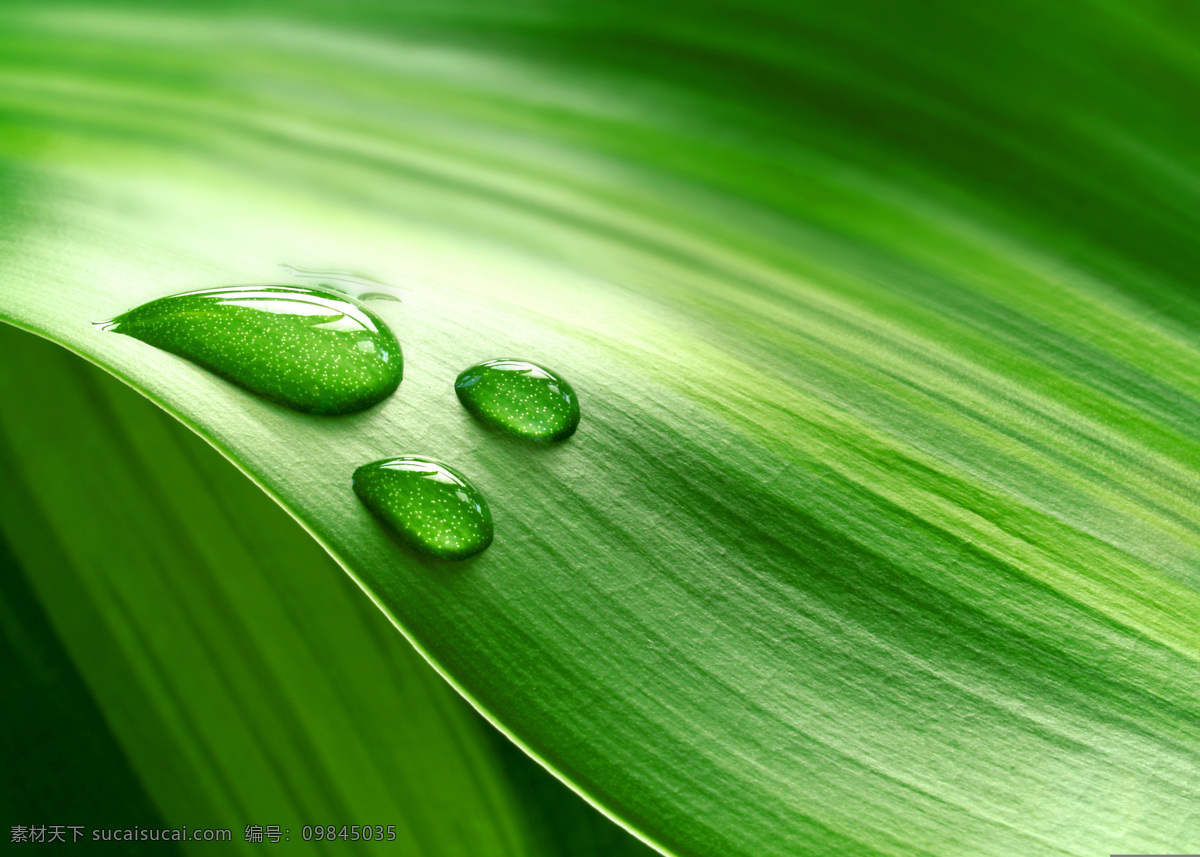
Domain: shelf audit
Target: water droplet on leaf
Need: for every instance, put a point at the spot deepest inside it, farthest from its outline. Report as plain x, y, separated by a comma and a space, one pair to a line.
309, 349
434, 509
362, 288
521, 398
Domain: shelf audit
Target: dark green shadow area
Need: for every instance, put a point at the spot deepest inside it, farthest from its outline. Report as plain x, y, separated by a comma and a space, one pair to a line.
62, 765
563, 822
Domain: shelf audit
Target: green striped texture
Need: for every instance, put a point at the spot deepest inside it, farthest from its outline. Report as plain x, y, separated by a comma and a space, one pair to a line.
879, 533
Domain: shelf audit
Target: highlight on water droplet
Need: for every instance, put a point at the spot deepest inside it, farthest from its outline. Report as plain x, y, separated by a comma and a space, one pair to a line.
433, 508
309, 349
520, 398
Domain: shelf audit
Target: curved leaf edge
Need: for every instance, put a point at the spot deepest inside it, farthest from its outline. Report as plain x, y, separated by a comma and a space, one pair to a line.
229, 456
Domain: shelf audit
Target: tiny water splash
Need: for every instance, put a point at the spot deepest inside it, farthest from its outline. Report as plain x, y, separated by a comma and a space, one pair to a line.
309, 349
434, 509
520, 398
358, 287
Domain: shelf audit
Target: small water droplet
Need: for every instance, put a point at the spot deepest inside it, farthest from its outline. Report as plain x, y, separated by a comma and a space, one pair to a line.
309, 349
362, 288
521, 398
379, 296
434, 509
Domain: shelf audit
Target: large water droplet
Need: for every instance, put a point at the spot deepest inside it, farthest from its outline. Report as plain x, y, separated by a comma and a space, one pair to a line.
520, 397
309, 349
433, 508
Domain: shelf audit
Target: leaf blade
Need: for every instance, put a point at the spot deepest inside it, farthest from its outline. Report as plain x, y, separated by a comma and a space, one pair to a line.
859, 486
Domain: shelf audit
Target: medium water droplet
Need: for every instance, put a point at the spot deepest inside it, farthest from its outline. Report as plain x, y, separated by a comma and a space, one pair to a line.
309, 349
432, 507
520, 397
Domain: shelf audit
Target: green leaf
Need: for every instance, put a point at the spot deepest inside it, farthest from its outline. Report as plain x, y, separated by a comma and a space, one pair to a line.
64, 763
878, 532
235, 665
192, 631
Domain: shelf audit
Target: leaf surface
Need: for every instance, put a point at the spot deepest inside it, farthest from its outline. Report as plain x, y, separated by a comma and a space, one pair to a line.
878, 532
242, 677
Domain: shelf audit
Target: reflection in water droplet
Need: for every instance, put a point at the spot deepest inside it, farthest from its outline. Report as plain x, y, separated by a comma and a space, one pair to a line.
521, 398
434, 509
309, 349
